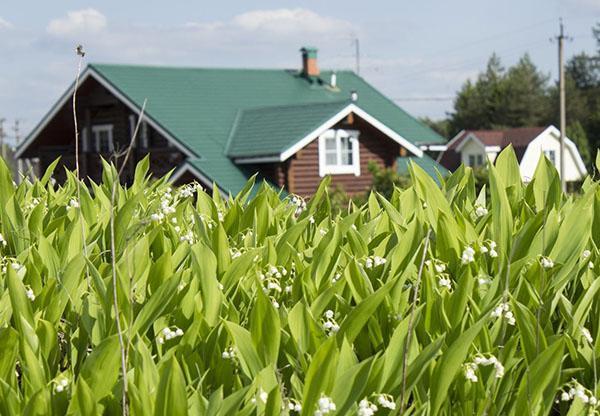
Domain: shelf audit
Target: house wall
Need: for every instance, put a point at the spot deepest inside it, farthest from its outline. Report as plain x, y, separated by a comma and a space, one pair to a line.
302, 169
96, 105
474, 148
549, 140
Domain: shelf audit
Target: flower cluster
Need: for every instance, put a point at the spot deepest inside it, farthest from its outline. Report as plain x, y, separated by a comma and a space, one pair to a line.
325, 405
489, 249
587, 335
187, 191
35, 202
228, 354
573, 389
503, 310
386, 401
366, 408
586, 255
29, 293
546, 262
443, 277
480, 211
3, 241
188, 237
235, 253
481, 360
374, 261
468, 255
294, 406
273, 280
262, 395
299, 203
73, 203
166, 207
329, 323
61, 384
168, 333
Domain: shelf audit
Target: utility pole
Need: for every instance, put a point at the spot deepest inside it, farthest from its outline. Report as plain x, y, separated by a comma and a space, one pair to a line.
17, 141
357, 55
563, 115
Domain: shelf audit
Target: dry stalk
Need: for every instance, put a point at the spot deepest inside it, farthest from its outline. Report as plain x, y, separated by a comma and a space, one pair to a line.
81, 54
124, 348
411, 318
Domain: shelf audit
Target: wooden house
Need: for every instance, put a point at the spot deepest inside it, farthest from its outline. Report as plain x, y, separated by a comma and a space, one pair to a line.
220, 126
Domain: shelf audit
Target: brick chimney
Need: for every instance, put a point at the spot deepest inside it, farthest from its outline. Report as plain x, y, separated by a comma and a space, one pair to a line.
309, 62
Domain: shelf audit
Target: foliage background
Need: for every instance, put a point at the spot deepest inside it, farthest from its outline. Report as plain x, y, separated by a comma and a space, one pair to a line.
269, 305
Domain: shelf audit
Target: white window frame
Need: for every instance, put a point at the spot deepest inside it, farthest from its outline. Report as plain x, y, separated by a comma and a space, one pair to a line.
478, 160
98, 128
339, 169
550, 155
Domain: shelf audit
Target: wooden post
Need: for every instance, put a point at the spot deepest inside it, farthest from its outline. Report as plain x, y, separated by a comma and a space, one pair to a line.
563, 121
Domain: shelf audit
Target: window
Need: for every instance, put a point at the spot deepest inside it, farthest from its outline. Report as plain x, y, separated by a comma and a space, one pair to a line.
475, 160
102, 137
551, 155
339, 152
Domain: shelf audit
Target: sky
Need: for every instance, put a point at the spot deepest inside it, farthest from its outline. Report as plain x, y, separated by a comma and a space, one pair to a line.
418, 53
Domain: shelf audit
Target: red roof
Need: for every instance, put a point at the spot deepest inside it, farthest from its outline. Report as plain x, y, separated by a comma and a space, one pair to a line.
518, 137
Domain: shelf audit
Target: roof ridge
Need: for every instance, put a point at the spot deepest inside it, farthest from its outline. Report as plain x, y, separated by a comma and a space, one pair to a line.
210, 68
308, 104
372, 88
233, 130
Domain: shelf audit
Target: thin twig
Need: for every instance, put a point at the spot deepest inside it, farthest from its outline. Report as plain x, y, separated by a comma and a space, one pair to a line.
113, 251
81, 55
411, 319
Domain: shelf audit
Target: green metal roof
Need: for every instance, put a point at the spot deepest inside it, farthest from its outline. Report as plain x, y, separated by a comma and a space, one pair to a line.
272, 130
426, 163
199, 106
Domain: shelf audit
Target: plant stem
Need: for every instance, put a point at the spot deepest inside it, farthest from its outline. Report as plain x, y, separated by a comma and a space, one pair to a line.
411, 318
113, 252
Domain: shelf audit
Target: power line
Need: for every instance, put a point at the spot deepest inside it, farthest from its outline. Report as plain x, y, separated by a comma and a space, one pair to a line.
508, 52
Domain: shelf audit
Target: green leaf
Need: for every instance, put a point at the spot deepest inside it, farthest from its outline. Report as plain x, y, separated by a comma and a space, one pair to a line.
540, 382
249, 358
450, 363
171, 398
102, 367
320, 375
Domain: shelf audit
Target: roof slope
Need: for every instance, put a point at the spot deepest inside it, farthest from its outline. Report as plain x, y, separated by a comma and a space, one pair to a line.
518, 137
199, 106
272, 130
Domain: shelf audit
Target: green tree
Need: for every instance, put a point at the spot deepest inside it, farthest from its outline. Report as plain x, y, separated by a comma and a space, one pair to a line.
525, 95
477, 104
499, 98
441, 127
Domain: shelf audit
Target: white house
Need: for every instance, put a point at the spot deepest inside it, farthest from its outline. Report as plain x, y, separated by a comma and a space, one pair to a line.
472, 147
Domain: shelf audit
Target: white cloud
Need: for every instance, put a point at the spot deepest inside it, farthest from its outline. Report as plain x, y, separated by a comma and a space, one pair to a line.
5, 24
259, 37
285, 21
590, 4
76, 22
